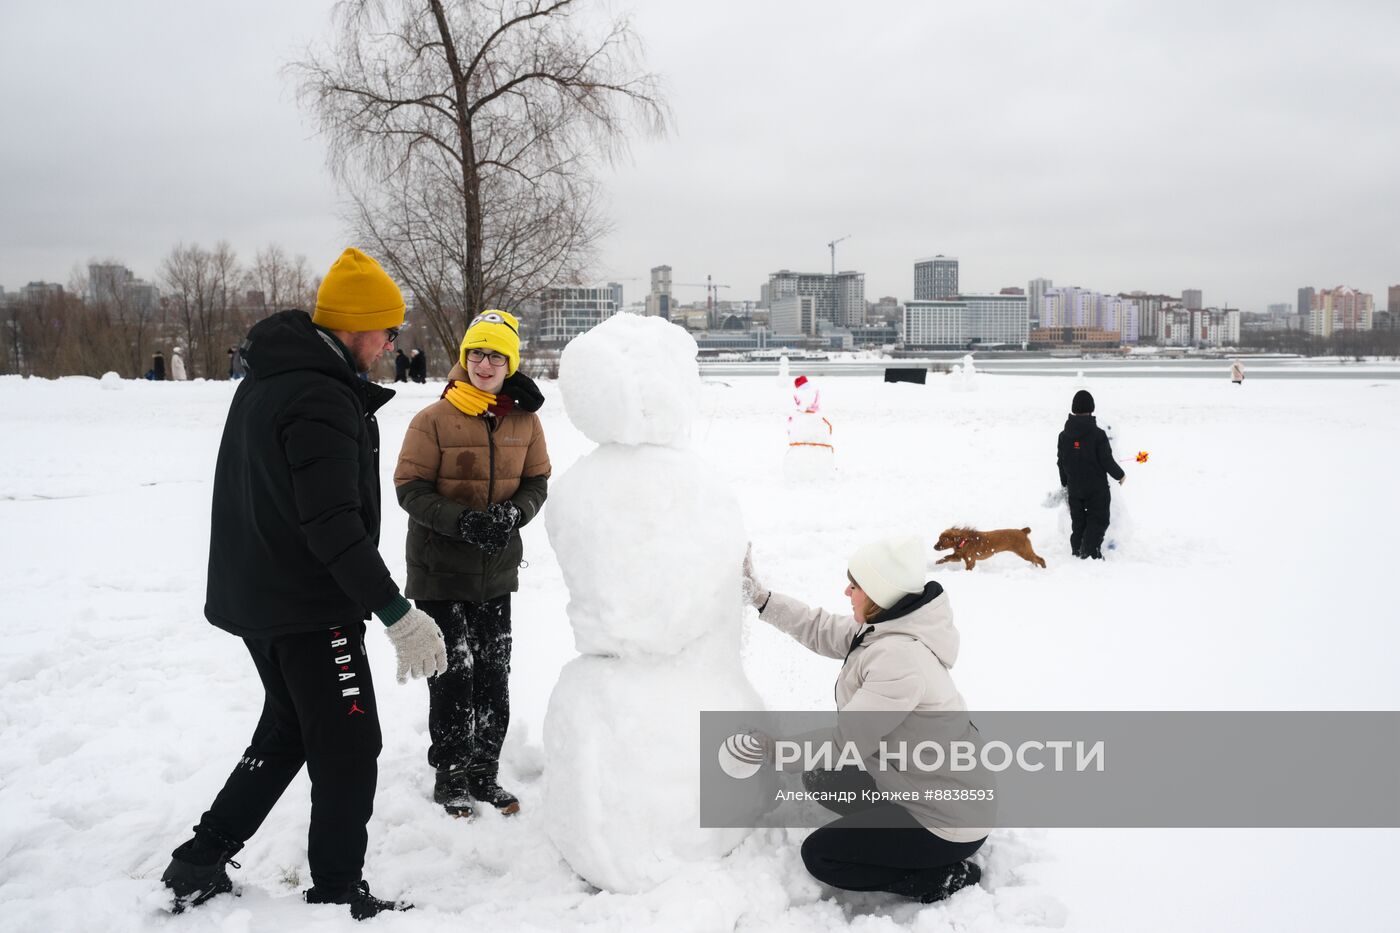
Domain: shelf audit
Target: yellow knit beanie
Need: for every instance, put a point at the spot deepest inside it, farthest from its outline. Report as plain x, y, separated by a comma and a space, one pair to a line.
494, 330
358, 295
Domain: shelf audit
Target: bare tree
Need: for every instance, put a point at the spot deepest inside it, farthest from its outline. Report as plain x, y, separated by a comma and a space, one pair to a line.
188, 276
467, 132
272, 272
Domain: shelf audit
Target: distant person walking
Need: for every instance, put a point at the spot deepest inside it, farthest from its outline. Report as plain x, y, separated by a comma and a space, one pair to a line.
294, 570
1086, 462
177, 367
400, 366
158, 367
418, 366
1237, 372
236, 370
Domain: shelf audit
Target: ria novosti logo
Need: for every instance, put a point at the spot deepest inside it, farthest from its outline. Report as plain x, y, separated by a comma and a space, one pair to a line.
741, 755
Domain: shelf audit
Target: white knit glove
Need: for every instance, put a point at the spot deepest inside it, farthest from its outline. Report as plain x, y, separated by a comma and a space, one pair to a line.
755, 594
419, 644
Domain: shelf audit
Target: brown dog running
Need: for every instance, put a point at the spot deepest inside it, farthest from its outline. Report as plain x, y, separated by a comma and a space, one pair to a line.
970, 545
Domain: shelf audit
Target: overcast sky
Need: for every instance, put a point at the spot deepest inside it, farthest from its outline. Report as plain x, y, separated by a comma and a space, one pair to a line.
1244, 148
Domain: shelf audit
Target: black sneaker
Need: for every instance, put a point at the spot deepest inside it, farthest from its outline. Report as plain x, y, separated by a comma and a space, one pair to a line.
938, 884
196, 871
486, 789
451, 789
363, 904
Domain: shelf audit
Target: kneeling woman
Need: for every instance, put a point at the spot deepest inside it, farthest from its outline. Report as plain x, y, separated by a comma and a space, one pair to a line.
897, 646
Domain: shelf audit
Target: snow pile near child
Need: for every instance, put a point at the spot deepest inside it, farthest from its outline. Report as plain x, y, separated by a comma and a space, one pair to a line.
650, 546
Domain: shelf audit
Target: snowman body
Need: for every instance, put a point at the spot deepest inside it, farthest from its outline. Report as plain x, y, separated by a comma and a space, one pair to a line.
650, 546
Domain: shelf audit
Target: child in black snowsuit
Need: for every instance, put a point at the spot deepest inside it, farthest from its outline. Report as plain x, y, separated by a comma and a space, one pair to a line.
1086, 461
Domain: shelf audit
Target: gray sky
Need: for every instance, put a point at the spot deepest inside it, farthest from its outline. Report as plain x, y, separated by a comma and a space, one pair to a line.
1244, 148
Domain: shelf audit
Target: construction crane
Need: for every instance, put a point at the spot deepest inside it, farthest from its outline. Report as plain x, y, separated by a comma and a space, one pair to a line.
710, 286
832, 246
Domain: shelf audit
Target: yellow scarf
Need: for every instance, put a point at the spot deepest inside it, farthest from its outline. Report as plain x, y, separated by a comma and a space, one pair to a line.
467, 398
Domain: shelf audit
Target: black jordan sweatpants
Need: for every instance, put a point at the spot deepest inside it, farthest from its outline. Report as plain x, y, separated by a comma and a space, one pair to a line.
319, 710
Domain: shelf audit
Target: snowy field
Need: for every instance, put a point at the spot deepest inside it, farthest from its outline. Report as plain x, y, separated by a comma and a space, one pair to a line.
1254, 569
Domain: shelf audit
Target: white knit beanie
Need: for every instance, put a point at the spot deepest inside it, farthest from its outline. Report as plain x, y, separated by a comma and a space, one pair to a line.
890, 569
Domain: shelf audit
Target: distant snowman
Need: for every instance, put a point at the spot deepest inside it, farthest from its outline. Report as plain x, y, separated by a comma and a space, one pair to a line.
650, 546
810, 452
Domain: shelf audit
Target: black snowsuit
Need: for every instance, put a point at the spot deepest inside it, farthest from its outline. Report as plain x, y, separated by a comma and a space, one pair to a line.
400, 367
294, 569
158, 367
1086, 461
418, 368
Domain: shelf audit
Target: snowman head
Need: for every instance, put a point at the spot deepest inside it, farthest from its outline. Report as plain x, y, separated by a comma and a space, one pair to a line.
632, 380
805, 395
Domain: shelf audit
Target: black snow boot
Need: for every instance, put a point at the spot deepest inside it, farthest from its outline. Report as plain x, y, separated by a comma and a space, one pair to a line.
484, 788
451, 789
938, 883
363, 904
196, 872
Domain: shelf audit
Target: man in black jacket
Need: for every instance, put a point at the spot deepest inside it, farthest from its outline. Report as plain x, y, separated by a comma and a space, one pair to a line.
294, 570
1086, 461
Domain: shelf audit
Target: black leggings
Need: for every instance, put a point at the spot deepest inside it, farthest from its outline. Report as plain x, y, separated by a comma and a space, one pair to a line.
878, 846
319, 710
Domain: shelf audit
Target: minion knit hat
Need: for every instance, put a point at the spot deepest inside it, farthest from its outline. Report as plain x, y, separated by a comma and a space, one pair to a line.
358, 295
889, 569
494, 330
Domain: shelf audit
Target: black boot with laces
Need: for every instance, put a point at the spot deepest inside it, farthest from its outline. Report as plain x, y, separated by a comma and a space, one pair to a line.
485, 788
196, 872
363, 904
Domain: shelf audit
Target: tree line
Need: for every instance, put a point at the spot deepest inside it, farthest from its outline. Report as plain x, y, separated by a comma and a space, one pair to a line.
208, 299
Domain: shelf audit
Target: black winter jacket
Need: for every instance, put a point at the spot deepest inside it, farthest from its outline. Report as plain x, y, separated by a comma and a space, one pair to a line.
1085, 457
294, 534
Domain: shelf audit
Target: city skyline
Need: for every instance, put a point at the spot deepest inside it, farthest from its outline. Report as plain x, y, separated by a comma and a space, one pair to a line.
1195, 176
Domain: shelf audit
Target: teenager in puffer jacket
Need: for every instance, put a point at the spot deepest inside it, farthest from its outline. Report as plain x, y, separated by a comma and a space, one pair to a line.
896, 647
474, 469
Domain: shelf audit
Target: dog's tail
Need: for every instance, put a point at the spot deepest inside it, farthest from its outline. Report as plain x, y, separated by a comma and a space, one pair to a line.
1025, 531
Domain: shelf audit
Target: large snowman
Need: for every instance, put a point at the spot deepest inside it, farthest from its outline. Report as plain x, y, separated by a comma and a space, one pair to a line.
651, 548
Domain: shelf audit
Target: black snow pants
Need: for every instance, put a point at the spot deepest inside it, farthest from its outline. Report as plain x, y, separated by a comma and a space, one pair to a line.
1088, 516
469, 706
318, 709
874, 847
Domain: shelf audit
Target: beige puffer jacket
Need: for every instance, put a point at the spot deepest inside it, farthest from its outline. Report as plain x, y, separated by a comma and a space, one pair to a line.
452, 462
900, 667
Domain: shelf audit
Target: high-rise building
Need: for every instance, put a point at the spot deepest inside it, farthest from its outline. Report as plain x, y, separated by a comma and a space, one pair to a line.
793, 315
837, 299
1392, 299
1074, 307
1305, 300
968, 319
659, 299
1191, 299
1035, 291
106, 282
1148, 306
935, 278
569, 311
1279, 311
1340, 308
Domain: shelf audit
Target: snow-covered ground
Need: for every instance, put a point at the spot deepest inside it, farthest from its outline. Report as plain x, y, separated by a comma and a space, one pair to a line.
1254, 568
